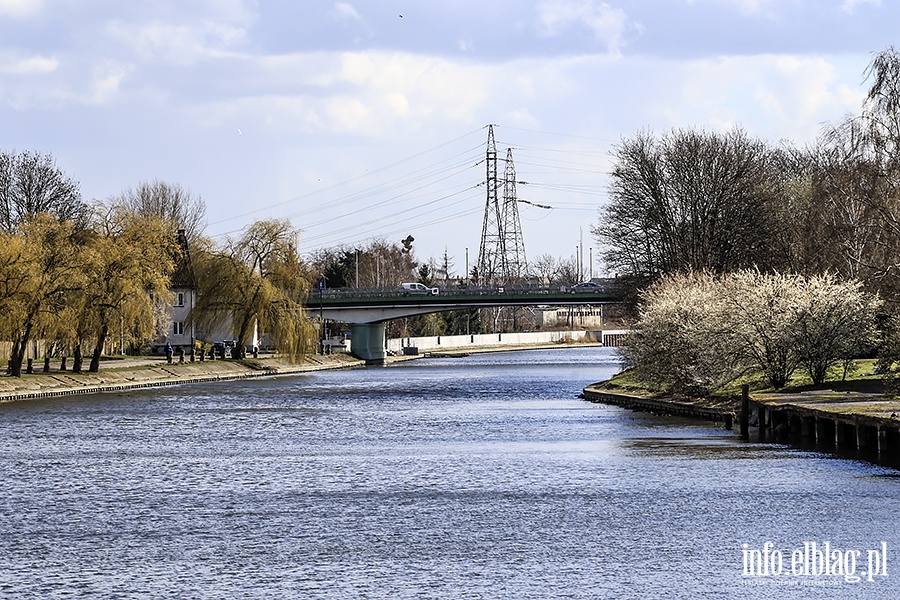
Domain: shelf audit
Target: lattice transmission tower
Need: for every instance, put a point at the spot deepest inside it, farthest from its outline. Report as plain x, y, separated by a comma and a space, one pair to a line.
501, 257
513, 243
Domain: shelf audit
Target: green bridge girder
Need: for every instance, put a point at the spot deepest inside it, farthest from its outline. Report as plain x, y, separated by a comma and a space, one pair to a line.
368, 310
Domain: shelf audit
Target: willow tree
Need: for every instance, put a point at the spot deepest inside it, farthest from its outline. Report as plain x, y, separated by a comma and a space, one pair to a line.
858, 180
42, 273
126, 263
256, 281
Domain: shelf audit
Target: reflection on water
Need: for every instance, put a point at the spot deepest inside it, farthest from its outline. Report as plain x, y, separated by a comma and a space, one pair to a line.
476, 477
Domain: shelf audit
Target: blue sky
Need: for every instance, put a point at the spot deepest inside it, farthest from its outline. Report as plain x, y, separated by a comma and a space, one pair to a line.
367, 119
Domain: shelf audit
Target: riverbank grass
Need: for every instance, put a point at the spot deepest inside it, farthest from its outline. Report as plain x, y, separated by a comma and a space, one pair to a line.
858, 376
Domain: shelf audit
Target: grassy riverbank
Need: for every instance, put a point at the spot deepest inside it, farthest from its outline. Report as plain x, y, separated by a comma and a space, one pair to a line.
858, 392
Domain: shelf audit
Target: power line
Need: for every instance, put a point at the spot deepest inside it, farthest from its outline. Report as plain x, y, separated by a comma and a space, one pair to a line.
346, 181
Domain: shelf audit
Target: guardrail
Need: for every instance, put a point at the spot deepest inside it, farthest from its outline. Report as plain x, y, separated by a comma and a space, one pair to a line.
517, 290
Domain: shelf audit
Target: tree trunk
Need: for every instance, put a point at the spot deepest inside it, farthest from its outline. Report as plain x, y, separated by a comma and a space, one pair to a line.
15, 363
77, 359
18, 352
98, 350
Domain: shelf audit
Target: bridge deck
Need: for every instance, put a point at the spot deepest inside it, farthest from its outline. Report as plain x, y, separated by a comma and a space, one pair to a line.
376, 306
461, 297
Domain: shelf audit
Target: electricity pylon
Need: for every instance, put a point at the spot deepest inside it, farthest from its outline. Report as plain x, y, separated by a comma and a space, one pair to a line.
513, 243
501, 257
492, 253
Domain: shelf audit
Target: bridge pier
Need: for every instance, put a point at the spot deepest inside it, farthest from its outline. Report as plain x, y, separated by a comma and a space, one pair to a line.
367, 342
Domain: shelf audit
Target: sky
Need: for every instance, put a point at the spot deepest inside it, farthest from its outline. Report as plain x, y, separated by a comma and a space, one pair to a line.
368, 120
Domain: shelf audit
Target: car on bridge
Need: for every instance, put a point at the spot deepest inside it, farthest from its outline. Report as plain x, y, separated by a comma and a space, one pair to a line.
417, 289
586, 287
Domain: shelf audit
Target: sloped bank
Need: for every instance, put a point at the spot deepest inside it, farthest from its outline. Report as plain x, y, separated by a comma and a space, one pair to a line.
147, 373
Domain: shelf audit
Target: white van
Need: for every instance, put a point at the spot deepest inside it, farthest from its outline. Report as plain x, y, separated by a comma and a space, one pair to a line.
417, 289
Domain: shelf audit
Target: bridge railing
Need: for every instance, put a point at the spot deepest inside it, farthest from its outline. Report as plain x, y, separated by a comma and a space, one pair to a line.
451, 291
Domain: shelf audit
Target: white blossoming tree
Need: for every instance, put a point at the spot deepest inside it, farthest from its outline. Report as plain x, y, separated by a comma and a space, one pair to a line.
682, 342
697, 332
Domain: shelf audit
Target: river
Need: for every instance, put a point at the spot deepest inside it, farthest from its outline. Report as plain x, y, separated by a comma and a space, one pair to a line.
476, 477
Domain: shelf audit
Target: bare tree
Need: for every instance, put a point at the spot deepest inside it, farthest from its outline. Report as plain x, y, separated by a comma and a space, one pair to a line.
30, 184
858, 177
444, 271
546, 268
384, 264
687, 201
169, 201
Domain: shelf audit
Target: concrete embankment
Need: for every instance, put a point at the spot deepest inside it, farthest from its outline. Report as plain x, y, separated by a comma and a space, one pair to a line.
127, 374
136, 373
849, 424
501, 341
659, 406
864, 426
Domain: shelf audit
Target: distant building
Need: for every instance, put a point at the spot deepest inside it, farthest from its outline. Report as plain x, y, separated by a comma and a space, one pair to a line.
179, 332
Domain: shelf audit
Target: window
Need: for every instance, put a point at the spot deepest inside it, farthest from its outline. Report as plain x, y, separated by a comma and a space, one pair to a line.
178, 327
179, 299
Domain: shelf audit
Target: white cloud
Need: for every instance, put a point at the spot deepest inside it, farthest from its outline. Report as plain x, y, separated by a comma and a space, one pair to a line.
376, 94
179, 44
20, 8
105, 82
608, 24
344, 11
850, 6
28, 66
776, 97
748, 7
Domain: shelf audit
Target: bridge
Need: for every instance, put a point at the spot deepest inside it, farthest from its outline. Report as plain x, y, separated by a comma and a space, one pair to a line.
368, 310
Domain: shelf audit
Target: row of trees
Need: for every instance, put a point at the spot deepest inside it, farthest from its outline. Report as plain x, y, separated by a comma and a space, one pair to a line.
696, 200
698, 332
71, 285
798, 247
71, 272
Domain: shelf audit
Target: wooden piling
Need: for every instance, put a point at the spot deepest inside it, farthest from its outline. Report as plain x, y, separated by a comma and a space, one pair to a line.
745, 411
763, 417
825, 433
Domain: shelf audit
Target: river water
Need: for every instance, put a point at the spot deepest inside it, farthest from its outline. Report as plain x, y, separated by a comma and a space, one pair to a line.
476, 477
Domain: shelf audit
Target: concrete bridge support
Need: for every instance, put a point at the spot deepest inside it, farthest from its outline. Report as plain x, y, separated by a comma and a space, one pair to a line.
368, 342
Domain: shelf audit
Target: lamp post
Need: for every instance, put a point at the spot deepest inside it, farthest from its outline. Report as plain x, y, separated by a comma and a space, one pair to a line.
322, 316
